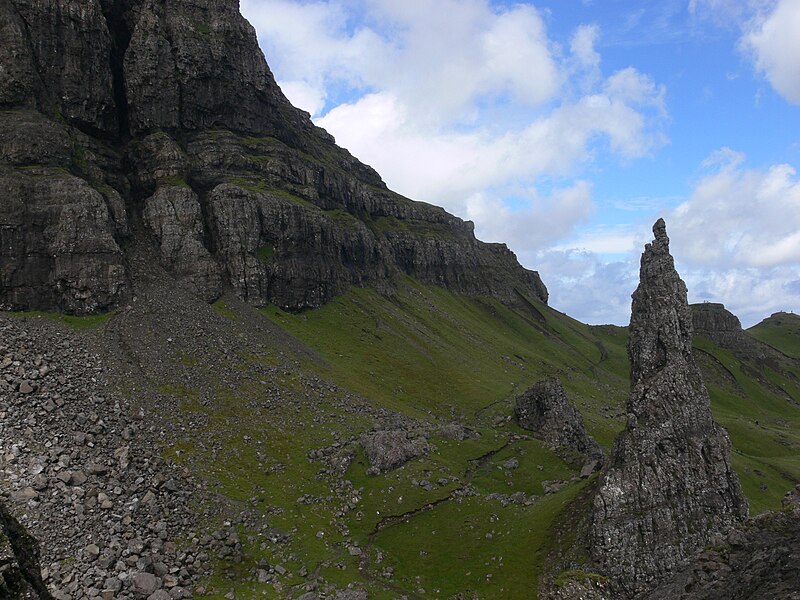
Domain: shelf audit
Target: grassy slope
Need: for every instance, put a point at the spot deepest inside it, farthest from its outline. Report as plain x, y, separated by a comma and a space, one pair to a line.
428, 351
758, 402
441, 357
781, 331
436, 357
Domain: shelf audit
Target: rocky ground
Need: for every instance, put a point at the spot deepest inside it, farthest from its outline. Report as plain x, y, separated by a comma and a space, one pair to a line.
88, 417
81, 471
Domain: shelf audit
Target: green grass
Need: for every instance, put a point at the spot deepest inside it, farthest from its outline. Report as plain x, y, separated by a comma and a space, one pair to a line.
425, 349
781, 331
265, 252
173, 180
439, 358
222, 309
763, 424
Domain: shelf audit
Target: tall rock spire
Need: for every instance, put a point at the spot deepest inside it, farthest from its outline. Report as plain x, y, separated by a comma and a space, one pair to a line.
669, 486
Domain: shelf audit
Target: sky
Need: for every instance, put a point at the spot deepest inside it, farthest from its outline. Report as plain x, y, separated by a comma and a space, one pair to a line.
565, 128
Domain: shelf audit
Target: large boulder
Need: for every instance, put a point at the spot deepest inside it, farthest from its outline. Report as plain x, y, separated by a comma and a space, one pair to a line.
545, 410
389, 449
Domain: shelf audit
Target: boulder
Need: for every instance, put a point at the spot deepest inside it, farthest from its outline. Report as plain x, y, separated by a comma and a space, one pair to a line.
545, 410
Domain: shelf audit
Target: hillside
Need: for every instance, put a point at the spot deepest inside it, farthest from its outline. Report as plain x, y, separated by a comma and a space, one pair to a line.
130, 122
233, 364
271, 418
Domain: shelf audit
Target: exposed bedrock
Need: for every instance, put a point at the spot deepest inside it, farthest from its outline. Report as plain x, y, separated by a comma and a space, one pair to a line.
545, 410
130, 121
669, 488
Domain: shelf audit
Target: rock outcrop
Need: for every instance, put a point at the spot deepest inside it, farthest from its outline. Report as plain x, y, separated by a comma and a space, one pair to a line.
390, 449
545, 410
669, 488
756, 560
713, 321
20, 569
125, 122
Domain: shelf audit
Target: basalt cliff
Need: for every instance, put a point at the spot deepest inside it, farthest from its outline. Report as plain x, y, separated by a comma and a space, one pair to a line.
126, 123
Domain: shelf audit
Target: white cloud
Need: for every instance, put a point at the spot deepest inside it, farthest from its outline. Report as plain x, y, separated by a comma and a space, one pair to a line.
770, 37
536, 221
582, 45
459, 102
739, 217
447, 167
580, 283
604, 240
737, 238
475, 108
303, 95
774, 40
751, 294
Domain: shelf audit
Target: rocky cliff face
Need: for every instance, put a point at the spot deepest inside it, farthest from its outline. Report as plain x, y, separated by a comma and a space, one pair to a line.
133, 121
714, 321
756, 560
669, 488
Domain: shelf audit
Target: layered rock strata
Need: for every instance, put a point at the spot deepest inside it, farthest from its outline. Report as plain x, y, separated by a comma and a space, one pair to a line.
713, 321
545, 410
669, 487
128, 121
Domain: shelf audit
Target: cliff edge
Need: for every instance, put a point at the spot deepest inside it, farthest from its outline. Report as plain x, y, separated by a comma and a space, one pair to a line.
135, 122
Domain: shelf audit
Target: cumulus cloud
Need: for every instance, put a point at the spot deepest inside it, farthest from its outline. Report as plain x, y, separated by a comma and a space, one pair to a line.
464, 104
581, 283
751, 294
774, 41
770, 36
736, 240
448, 167
741, 217
535, 221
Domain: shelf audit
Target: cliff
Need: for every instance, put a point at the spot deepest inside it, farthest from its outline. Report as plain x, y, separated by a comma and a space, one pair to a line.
130, 122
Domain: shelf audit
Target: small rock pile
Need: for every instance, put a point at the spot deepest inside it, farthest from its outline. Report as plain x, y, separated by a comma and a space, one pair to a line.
83, 475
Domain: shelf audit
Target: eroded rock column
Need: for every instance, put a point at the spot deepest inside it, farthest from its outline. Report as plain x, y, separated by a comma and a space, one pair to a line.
670, 486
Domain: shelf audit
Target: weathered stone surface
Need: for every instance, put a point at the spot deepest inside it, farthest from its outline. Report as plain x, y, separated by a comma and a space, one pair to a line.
714, 321
387, 450
197, 65
545, 410
757, 560
58, 61
121, 119
20, 570
669, 488
173, 214
57, 246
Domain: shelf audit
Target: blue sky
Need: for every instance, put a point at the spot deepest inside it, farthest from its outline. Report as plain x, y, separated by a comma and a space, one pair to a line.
564, 128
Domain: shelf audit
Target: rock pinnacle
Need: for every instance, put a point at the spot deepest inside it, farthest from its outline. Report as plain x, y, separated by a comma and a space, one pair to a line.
670, 486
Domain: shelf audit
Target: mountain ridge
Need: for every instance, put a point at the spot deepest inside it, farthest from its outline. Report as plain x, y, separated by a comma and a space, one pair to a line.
151, 147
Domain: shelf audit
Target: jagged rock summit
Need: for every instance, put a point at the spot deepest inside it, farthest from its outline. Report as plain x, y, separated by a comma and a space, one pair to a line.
132, 122
669, 487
